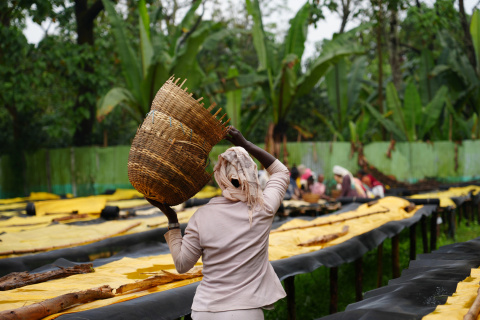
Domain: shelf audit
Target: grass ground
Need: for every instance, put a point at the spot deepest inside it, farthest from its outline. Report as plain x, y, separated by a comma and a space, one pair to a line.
312, 289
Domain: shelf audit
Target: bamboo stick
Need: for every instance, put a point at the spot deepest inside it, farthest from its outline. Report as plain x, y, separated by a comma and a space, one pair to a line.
51, 306
213, 105
218, 111
73, 216
158, 279
20, 279
329, 222
474, 310
325, 238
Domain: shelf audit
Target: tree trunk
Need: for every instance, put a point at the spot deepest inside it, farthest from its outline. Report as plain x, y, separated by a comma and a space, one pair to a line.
345, 14
467, 37
85, 18
394, 52
380, 61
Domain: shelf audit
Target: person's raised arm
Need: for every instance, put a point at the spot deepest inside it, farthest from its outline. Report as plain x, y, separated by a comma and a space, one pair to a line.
236, 137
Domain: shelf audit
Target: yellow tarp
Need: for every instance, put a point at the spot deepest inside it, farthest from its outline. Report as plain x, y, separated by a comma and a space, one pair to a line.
90, 205
18, 224
127, 204
34, 196
208, 192
282, 245
446, 196
285, 244
36, 233
114, 274
60, 236
458, 304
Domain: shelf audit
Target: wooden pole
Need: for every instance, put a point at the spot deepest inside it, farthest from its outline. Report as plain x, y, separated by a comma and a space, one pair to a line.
474, 310
413, 242
51, 306
20, 279
290, 289
395, 257
423, 224
433, 231
358, 279
451, 223
333, 290
379, 265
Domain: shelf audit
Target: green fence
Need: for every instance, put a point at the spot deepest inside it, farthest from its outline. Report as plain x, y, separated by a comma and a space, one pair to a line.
92, 170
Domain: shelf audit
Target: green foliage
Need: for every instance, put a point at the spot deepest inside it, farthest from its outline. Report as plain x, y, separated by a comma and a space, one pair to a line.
475, 32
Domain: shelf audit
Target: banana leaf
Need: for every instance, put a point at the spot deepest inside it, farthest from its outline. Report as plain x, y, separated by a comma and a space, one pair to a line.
234, 102
297, 34
475, 32
355, 77
432, 112
258, 33
185, 63
130, 65
184, 27
393, 104
337, 92
329, 125
114, 97
389, 125
412, 106
321, 66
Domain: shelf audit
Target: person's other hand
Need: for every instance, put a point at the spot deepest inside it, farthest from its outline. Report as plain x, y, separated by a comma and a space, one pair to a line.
236, 137
169, 212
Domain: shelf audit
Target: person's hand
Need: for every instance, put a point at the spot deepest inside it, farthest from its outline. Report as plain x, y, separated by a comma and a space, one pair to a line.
236, 137
169, 212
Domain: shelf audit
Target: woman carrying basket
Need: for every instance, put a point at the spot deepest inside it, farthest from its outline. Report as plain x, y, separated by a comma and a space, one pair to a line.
231, 235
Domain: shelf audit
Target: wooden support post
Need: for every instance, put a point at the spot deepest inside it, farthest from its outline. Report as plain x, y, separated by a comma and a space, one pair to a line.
478, 212
451, 223
379, 265
395, 257
460, 213
433, 231
290, 289
333, 290
413, 242
423, 224
359, 279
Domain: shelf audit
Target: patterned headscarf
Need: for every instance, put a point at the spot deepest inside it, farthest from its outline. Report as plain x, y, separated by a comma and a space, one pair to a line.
236, 163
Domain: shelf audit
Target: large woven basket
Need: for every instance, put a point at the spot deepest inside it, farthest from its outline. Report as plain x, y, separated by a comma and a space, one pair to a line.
169, 153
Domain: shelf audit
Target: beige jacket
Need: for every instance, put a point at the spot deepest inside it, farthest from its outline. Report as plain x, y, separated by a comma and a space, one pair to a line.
236, 270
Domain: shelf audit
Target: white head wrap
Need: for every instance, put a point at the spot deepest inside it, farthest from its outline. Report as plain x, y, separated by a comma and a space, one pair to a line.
341, 171
236, 163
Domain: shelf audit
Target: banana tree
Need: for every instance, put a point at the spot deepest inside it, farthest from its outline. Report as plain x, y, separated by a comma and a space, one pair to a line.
160, 56
284, 82
344, 84
412, 121
455, 70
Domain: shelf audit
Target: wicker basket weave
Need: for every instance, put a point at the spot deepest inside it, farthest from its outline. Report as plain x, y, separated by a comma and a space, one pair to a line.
169, 153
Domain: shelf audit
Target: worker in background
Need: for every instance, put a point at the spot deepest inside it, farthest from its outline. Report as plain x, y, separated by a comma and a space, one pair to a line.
373, 184
350, 186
